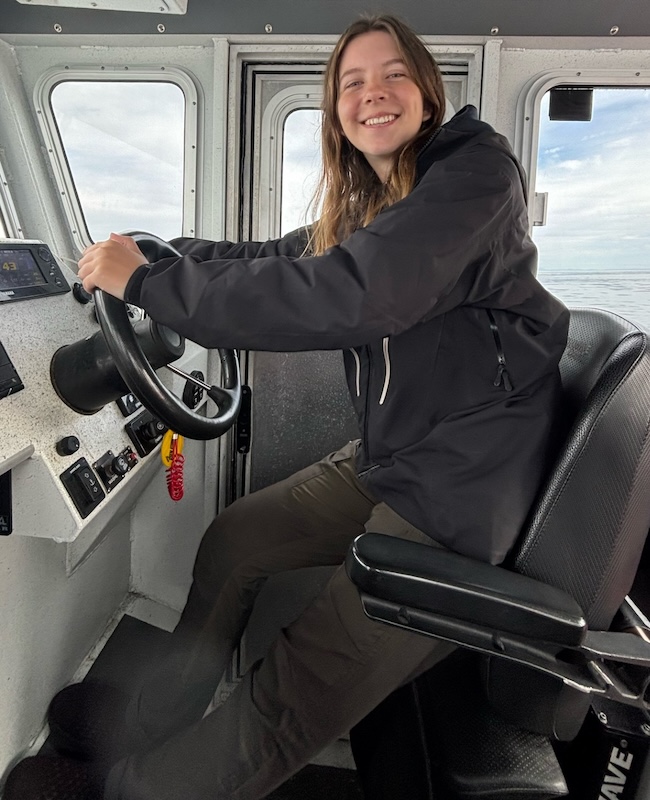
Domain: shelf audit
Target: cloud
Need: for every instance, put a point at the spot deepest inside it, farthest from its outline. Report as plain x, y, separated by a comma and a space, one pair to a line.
138, 129
572, 164
597, 183
145, 115
300, 167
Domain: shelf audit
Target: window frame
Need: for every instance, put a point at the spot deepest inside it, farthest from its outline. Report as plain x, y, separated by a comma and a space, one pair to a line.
285, 102
63, 178
8, 212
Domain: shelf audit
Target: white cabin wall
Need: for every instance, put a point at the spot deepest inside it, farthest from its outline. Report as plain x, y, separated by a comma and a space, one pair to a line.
49, 622
23, 158
166, 534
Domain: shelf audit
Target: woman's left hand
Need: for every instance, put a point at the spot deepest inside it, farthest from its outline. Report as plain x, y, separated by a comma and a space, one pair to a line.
109, 265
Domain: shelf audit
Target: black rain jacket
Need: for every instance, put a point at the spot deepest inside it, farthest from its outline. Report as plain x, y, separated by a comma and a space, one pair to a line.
451, 345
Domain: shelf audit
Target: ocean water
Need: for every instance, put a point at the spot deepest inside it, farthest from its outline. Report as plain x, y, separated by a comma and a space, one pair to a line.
624, 292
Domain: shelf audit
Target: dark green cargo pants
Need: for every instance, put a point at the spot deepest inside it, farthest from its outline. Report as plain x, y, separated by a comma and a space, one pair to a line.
323, 674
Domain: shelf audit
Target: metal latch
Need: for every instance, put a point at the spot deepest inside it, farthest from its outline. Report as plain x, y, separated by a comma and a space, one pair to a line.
540, 203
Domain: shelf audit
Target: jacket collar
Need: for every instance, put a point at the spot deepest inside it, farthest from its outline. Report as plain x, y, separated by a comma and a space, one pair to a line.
461, 128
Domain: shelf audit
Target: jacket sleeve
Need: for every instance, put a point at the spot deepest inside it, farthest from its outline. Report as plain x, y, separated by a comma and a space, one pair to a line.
427, 253
293, 244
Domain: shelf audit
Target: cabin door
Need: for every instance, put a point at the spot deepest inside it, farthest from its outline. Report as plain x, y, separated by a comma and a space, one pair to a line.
299, 405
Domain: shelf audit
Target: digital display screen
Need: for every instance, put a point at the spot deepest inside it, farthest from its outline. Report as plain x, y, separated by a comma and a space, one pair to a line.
19, 268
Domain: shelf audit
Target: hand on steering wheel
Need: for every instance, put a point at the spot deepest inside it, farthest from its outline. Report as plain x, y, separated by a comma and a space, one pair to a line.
141, 379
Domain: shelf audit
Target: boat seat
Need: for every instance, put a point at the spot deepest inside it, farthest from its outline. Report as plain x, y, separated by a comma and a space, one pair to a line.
537, 645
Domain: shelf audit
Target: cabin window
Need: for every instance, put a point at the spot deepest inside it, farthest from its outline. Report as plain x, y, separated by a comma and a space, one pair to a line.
124, 145
594, 248
301, 162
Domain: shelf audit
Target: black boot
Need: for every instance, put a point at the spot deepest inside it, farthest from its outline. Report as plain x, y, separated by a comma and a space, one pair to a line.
53, 778
89, 721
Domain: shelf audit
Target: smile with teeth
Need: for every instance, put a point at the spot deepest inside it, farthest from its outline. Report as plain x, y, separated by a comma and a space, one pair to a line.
380, 120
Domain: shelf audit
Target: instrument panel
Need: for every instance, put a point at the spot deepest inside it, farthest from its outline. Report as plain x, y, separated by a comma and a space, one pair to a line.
28, 270
68, 473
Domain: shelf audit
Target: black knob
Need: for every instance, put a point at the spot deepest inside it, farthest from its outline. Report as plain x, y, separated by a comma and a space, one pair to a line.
193, 394
152, 430
119, 465
67, 446
80, 294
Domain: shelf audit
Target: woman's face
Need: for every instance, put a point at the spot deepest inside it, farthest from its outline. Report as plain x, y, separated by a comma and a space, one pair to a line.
380, 108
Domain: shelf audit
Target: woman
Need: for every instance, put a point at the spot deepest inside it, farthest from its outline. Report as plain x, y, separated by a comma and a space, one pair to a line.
422, 270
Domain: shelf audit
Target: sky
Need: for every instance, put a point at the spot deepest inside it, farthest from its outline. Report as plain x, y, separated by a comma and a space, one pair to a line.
300, 167
597, 175
139, 130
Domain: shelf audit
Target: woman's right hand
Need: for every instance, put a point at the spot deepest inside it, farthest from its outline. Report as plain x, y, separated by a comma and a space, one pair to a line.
109, 265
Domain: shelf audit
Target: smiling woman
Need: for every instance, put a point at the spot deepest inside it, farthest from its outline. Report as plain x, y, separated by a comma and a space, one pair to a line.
380, 106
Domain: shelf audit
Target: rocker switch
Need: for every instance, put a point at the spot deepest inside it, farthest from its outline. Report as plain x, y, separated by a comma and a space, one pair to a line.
83, 486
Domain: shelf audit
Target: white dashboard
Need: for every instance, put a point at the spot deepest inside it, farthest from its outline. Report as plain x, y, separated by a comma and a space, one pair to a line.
63, 473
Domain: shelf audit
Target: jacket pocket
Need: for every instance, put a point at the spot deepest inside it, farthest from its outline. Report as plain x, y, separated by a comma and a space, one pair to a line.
368, 470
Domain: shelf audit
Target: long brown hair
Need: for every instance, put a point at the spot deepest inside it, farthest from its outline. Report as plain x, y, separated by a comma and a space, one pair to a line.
349, 193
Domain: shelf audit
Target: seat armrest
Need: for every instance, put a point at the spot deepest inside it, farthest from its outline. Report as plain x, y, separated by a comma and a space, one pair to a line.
454, 586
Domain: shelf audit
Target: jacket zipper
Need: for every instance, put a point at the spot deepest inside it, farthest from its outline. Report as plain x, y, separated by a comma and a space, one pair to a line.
431, 138
502, 376
387, 370
382, 397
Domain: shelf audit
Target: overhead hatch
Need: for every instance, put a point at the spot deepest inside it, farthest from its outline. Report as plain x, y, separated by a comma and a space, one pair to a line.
152, 6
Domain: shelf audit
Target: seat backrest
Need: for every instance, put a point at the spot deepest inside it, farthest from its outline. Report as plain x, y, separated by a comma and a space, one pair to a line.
589, 524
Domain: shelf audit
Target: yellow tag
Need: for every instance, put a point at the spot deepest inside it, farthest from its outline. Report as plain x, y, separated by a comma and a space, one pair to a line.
166, 447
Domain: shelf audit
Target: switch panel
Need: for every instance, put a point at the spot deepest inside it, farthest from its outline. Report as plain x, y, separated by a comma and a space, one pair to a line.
112, 468
145, 431
83, 486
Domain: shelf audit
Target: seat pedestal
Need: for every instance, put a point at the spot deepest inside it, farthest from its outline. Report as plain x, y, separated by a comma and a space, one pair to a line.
437, 739
610, 757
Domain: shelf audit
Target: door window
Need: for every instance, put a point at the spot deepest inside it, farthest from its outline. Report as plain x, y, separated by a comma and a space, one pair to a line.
301, 165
